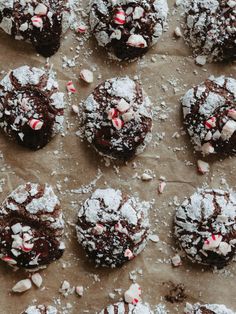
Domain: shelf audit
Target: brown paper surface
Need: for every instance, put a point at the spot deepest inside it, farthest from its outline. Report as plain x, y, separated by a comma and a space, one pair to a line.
67, 164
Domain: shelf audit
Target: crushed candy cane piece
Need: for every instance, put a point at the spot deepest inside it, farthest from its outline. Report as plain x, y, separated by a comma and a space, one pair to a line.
70, 87
112, 113
128, 253
35, 124
133, 294
146, 177
16, 228
138, 13
154, 238
123, 106
99, 229
232, 114
178, 32
117, 123
207, 148
201, 60
75, 108
203, 167
119, 17
224, 248
86, 76
37, 279
210, 123
161, 187
128, 116
79, 290
228, 130
27, 247
212, 242
37, 21
9, 260
82, 28
41, 9
22, 286
137, 41
176, 260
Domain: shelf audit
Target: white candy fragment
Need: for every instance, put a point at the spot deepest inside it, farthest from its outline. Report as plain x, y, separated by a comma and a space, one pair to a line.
128, 116
203, 167
178, 32
201, 60
161, 187
138, 13
86, 76
224, 248
231, 3
37, 279
146, 177
41, 9
137, 41
212, 242
228, 130
22, 286
176, 260
133, 294
79, 290
75, 108
17, 228
207, 149
123, 106
232, 114
154, 238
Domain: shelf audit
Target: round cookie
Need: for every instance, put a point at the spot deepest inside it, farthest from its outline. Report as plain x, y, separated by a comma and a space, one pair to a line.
210, 28
207, 309
40, 309
118, 118
31, 227
113, 228
128, 28
40, 22
210, 115
31, 108
124, 308
205, 226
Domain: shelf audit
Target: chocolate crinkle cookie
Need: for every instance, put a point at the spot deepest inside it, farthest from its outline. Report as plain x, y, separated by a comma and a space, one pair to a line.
40, 309
40, 22
124, 308
31, 107
207, 309
112, 227
210, 115
118, 118
205, 226
128, 28
31, 227
210, 28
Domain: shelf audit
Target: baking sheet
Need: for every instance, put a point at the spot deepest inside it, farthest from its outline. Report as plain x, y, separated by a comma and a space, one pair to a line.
166, 72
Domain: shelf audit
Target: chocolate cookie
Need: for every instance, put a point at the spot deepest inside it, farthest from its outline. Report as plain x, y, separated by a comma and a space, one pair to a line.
210, 115
210, 28
128, 28
31, 108
112, 227
118, 118
124, 308
40, 22
31, 227
207, 309
40, 309
205, 226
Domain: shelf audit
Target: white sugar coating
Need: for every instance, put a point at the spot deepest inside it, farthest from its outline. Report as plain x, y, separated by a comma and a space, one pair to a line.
121, 308
141, 13
212, 99
197, 211
138, 104
40, 309
20, 199
215, 308
218, 18
107, 205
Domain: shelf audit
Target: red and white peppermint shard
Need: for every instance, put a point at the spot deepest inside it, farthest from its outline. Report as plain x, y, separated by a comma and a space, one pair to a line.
37, 21
9, 260
211, 123
27, 247
137, 41
119, 17
82, 28
70, 87
212, 242
232, 114
112, 113
35, 124
133, 294
41, 9
117, 123
128, 253
98, 229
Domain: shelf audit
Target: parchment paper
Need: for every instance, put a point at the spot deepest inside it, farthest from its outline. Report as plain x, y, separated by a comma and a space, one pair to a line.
166, 72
